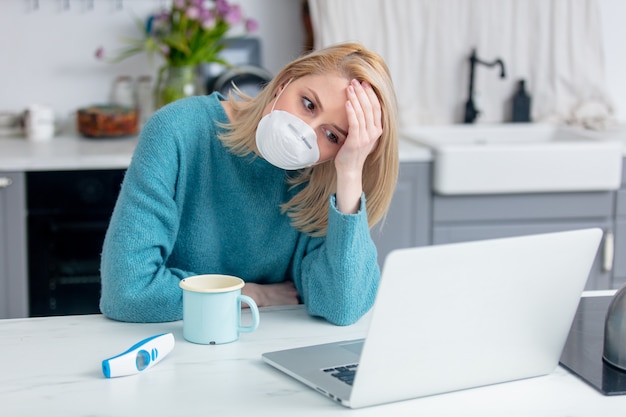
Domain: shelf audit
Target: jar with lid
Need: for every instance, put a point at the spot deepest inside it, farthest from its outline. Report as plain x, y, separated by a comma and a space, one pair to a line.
123, 93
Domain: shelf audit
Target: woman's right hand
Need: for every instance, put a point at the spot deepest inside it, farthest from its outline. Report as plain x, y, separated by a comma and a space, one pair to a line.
283, 293
364, 113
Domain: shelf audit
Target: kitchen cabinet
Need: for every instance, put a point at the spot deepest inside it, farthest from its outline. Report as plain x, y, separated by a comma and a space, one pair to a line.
408, 220
418, 216
13, 271
474, 217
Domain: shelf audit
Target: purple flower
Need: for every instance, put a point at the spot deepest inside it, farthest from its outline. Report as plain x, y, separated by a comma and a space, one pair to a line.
207, 14
162, 16
179, 4
251, 25
233, 17
193, 13
159, 23
208, 20
222, 7
174, 30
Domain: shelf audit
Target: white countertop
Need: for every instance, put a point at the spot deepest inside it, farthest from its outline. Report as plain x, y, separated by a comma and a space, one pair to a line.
52, 367
72, 152
413, 152
66, 152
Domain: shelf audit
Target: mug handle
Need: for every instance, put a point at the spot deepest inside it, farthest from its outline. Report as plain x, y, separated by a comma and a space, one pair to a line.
255, 313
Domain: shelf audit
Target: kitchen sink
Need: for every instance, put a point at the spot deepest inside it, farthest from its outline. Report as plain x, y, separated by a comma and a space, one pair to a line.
519, 158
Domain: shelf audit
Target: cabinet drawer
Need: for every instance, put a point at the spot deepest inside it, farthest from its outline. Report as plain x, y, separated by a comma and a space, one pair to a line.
443, 234
513, 207
599, 278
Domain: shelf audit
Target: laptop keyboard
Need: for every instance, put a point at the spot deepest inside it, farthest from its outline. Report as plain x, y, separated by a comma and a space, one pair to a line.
344, 373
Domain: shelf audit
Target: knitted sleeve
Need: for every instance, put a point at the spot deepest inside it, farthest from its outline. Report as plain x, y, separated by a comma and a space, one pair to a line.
339, 274
138, 285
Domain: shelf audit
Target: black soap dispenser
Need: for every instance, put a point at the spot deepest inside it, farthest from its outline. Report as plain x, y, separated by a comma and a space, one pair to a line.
521, 104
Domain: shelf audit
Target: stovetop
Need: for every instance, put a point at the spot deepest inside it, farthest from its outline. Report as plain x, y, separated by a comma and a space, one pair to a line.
583, 350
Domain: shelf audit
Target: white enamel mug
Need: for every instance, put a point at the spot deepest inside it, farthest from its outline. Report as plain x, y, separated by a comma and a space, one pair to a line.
212, 309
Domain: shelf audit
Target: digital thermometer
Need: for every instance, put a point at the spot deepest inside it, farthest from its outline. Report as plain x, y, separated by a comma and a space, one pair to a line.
141, 356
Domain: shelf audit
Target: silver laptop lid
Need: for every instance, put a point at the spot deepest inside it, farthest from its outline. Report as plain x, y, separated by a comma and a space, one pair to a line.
463, 315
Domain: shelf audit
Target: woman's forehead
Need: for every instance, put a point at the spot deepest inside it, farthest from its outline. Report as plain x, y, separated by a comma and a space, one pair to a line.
332, 83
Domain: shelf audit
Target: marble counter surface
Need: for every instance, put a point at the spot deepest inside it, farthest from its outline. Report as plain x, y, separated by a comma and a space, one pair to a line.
67, 152
72, 152
412, 152
51, 367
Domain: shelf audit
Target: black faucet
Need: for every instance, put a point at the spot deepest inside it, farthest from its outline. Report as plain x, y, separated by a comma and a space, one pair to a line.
471, 112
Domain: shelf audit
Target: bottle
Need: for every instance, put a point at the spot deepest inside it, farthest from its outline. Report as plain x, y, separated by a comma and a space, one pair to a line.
521, 104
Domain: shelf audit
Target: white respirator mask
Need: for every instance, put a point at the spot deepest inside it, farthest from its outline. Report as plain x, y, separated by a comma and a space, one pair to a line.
285, 140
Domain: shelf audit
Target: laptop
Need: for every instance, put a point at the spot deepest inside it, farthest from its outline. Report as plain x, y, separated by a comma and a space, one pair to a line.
455, 316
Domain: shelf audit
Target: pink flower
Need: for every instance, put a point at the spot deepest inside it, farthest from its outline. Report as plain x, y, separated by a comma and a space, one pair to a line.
207, 17
234, 16
193, 13
251, 25
208, 22
222, 7
184, 32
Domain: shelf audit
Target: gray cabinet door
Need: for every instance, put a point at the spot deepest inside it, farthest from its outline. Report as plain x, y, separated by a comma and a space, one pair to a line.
466, 218
619, 267
408, 221
13, 276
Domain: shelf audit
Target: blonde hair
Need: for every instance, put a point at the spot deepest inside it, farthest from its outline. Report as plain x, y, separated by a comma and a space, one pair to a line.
308, 209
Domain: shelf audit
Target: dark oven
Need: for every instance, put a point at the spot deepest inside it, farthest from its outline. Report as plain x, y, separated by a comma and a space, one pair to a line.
68, 214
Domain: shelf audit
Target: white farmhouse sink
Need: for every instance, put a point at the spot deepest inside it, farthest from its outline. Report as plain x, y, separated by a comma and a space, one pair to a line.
519, 158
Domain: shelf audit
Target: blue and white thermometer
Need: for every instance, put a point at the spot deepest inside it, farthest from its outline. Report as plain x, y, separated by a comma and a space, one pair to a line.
141, 356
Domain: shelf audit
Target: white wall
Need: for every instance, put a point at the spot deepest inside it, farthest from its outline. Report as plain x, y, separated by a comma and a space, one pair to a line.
47, 52
47, 55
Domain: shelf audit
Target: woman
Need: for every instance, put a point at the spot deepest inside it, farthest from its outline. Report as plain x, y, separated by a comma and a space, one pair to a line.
225, 186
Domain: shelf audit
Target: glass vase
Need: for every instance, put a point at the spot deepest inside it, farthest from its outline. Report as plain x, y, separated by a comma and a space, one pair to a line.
175, 83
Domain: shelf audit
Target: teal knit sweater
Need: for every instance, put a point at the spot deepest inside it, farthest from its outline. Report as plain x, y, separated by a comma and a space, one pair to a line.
188, 206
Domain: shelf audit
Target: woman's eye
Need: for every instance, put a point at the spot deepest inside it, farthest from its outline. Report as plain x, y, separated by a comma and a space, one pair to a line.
331, 136
308, 104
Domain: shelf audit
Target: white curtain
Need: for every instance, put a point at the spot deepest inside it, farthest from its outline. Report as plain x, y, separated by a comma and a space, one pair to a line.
555, 45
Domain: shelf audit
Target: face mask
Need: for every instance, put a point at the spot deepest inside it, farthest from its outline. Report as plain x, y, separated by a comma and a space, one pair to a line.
286, 141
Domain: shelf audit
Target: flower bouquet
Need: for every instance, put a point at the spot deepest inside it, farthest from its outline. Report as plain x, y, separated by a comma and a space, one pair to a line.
187, 33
